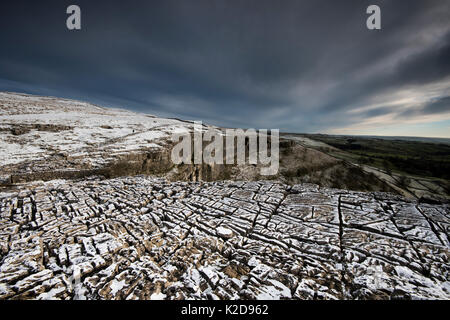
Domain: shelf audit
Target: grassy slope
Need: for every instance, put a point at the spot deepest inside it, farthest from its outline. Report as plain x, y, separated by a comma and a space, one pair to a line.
403, 157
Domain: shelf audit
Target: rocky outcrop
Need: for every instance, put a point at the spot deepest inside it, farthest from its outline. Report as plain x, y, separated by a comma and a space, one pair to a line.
146, 238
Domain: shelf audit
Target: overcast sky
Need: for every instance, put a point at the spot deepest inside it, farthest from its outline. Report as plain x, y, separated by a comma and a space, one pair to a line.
300, 66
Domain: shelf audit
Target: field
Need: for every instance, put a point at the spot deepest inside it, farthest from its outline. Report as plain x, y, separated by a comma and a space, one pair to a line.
405, 158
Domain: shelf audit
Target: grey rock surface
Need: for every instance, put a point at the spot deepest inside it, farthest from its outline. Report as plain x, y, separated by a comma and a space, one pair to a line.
144, 238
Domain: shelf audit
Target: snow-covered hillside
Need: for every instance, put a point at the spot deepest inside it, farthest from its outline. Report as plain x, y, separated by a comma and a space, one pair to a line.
69, 134
83, 126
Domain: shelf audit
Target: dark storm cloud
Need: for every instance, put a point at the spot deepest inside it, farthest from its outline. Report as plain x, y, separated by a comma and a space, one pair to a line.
435, 106
379, 112
296, 65
441, 105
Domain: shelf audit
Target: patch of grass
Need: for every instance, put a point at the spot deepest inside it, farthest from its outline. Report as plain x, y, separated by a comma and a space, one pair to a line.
418, 158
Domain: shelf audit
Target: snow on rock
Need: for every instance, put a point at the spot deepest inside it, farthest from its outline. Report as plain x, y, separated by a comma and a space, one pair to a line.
275, 291
224, 232
44, 134
138, 238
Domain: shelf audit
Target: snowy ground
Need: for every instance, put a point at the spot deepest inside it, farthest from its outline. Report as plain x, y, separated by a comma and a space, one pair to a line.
82, 133
144, 238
